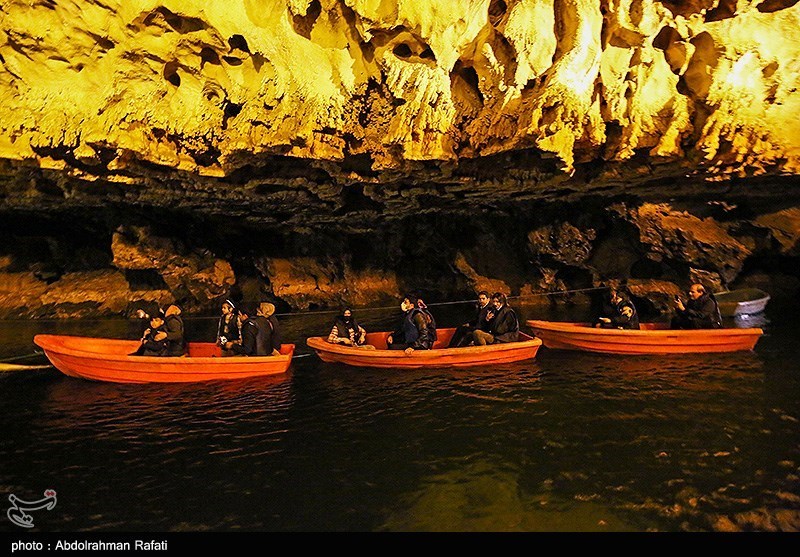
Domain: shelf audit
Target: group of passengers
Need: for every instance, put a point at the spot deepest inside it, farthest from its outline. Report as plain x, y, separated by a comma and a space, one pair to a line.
699, 311
494, 323
247, 330
253, 330
163, 333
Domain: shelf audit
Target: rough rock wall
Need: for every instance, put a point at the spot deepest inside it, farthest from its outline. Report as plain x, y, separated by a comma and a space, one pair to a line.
98, 88
326, 151
656, 249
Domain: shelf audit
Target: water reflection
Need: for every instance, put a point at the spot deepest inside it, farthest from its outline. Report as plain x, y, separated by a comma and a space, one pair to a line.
567, 442
481, 495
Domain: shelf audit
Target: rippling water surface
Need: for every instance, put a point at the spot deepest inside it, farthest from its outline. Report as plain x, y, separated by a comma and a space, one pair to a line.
567, 442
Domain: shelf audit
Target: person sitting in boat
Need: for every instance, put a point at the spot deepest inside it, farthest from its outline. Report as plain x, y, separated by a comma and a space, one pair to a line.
228, 328
259, 331
463, 335
348, 332
141, 319
173, 326
412, 333
503, 322
269, 323
247, 344
699, 312
619, 312
154, 339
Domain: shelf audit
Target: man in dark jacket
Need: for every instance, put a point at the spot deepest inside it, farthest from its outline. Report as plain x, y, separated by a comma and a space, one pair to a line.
259, 331
463, 334
173, 328
700, 311
412, 333
504, 325
247, 345
619, 313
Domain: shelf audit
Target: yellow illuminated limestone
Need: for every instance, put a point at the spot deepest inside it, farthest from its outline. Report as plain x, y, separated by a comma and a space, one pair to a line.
209, 86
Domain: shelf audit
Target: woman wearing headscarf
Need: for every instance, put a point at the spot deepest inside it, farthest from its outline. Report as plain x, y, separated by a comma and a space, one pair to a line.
269, 330
347, 331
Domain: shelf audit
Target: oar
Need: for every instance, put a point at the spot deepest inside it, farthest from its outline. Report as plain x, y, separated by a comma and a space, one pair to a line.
16, 367
6, 366
24, 357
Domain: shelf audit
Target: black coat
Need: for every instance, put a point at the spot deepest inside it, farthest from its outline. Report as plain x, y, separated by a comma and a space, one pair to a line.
272, 332
702, 313
150, 346
260, 335
430, 325
505, 325
176, 343
480, 322
619, 319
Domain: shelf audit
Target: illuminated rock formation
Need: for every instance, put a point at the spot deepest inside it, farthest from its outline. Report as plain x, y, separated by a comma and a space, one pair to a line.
99, 88
306, 283
344, 151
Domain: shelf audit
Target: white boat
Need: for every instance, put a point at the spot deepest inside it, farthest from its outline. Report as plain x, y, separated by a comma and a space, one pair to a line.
744, 301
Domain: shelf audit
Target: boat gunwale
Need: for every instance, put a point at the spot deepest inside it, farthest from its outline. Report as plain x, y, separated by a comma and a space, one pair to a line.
433, 353
586, 328
59, 348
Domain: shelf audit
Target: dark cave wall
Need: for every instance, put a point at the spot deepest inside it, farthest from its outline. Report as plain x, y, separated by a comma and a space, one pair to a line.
76, 259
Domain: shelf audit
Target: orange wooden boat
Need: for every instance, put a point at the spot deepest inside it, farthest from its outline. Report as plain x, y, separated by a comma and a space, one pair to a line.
103, 359
525, 349
652, 338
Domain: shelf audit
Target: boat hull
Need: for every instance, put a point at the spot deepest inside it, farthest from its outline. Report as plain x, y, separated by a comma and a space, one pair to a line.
648, 340
100, 359
437, 357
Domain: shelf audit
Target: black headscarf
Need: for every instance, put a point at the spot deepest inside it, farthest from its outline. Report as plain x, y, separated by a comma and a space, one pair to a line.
345, 323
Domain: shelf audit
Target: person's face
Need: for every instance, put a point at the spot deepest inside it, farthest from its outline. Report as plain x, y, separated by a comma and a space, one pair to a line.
483, 299
226, 309
406, 304
242, 317
156, 322
497, 303
347, 314
695, 292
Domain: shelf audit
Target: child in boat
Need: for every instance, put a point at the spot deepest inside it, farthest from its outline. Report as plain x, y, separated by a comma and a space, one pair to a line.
228, 328
154, 340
